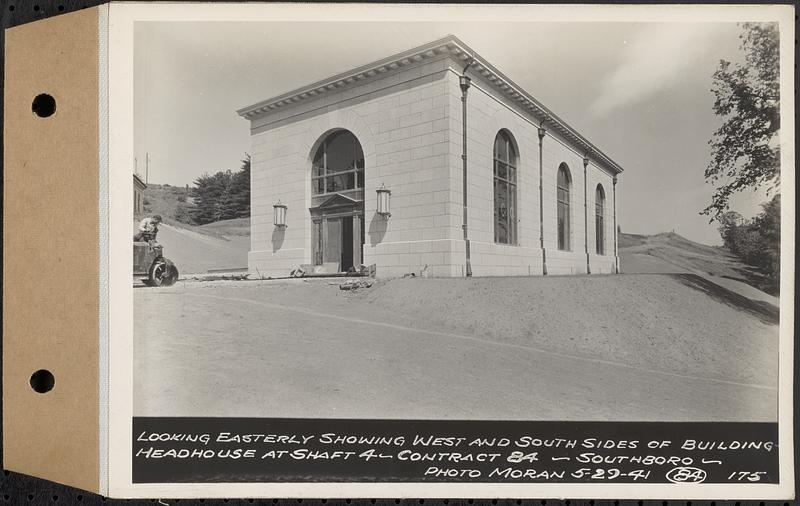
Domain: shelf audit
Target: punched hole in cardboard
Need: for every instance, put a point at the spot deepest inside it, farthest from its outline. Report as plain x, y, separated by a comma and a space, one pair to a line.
43, 105
42, 381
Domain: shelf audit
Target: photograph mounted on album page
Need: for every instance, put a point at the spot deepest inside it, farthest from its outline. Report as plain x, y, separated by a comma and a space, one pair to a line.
363, 251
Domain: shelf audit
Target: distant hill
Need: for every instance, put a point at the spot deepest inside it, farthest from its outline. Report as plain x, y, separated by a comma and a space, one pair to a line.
172, 203
672, 253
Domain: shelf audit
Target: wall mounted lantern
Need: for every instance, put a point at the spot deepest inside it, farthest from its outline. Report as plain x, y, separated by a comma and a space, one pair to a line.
280, 214
383, 201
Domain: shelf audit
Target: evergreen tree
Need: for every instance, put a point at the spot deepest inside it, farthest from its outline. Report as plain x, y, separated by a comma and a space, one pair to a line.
222, 196
241, 189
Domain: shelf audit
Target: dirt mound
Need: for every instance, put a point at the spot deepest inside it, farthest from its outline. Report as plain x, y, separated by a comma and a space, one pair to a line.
672, 253
666, 322
628, 240
678, 241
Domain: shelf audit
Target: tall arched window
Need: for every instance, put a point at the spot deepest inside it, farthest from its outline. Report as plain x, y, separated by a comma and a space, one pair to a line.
338, 164
564, 184
599, 220
505, 189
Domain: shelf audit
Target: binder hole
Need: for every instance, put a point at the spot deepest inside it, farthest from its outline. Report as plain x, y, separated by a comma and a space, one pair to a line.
11, 8
36, 9
60, 8
43, 105
42, 381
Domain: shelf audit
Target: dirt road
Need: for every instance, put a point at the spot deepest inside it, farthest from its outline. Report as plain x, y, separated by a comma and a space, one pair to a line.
307, 350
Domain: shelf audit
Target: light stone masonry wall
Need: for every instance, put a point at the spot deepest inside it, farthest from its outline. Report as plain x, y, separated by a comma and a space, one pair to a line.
401, 121
409, 124
601, 264
487, 114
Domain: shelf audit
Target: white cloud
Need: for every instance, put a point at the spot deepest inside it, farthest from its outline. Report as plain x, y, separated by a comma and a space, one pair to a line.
654, 59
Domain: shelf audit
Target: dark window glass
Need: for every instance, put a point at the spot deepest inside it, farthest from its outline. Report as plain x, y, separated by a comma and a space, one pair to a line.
563, 189
505, 189
500, 169
336, 163
501, 211
599, 220
340, 152
501, 148
341, 182
318, 165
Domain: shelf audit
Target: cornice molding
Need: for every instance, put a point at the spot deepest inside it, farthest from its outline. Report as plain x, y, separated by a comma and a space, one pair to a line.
453, 47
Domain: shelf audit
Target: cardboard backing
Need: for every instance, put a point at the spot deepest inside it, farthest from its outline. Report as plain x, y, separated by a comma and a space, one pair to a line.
50, 246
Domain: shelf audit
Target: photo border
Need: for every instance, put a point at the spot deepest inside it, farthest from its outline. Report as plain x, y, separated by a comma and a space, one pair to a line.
120, 20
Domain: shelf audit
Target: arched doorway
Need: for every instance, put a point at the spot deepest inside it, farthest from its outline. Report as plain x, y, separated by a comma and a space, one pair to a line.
337, 202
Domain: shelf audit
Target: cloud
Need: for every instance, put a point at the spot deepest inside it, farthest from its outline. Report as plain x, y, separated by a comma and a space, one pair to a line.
656, 58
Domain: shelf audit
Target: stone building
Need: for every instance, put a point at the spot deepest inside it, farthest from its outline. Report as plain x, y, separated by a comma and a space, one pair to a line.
540, 198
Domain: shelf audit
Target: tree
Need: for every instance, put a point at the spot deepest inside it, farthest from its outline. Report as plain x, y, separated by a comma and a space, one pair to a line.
757, 241
729, 223
744, 154
208, 195
241, 189
768, 223
222, 196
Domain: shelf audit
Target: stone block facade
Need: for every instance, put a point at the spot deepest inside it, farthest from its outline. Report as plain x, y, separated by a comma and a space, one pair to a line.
406, 114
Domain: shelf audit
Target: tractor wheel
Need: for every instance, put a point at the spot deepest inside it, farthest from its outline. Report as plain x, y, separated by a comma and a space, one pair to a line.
172, 275
161, 273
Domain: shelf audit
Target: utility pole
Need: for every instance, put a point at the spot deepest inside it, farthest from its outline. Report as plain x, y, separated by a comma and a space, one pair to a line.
146, 168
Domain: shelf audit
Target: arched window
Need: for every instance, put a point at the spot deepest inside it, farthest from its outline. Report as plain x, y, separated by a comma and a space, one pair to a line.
564, 184
505, 189
599, 220
338, 164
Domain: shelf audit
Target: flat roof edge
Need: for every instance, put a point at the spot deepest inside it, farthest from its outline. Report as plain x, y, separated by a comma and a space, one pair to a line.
451, 46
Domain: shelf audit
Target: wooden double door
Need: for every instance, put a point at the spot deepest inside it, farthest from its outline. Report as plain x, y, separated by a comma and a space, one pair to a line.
338, 238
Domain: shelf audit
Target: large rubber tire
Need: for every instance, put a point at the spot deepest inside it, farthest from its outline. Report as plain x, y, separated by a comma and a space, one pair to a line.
172, 275
159, 274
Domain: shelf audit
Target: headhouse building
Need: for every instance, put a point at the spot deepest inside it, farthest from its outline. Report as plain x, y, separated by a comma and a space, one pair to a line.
430, 160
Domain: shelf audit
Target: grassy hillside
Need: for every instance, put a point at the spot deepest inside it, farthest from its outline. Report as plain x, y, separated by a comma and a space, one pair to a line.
672, 253
195, 249
172, 203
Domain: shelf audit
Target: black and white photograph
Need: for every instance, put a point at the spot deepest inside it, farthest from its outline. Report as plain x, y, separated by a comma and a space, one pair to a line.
474, 220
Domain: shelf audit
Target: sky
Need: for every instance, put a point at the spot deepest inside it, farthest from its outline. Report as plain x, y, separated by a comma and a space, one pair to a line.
638, 91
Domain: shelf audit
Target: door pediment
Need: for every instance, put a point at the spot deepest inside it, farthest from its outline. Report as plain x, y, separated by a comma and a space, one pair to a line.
336, 202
